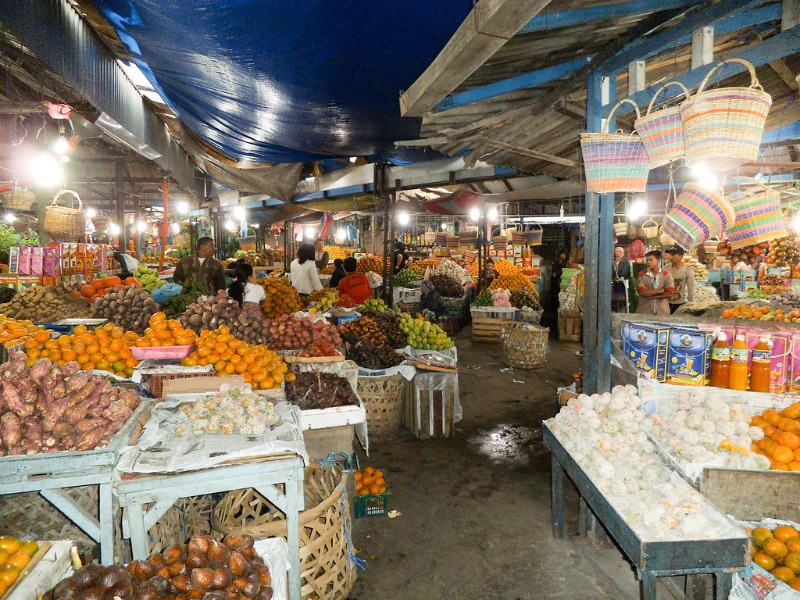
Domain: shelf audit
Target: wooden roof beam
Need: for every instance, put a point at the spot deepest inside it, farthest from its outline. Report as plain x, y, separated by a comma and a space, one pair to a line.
530, 153
489, 25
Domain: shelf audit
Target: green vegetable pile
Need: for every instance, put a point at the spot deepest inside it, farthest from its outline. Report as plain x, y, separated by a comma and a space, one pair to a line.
483, 299
175, 306
404, 278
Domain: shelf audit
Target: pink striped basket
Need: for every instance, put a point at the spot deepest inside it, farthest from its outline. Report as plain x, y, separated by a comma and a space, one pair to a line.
662, 131
723, 127
759, 218
615, 162
697, 215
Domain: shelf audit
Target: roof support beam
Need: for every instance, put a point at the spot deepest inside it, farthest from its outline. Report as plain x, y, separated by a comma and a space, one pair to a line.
489, 25
529, 152
702, 46
776, 47
582, 16
637, 72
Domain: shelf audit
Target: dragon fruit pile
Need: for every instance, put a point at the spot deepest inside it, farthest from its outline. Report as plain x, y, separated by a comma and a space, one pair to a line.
501, 298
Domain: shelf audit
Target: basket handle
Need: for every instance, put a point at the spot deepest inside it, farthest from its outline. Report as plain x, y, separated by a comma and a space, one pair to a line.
62, 192
753, 79
540, 228
649, 221
661, 89
604, 129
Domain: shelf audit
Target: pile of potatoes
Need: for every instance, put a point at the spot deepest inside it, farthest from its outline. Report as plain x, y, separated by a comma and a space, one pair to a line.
46, 303
128, 307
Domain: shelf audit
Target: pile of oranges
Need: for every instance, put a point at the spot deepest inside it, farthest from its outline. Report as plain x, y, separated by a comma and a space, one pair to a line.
14, 332
369, 481
258, 365
781, 441
101, 286
778, 551
282, 297
14, 555
165, 332
756, 313
106, 348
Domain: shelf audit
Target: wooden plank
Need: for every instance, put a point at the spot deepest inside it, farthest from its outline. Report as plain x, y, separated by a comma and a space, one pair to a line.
529, 152
43, 548
487, 28
731, 491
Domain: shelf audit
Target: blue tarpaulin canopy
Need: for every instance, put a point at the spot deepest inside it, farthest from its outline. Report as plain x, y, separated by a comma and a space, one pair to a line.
268, 81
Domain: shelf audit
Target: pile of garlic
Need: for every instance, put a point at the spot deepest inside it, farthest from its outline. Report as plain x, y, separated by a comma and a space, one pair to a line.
450, 267
607, 435
704, 430
568, 299
703, 294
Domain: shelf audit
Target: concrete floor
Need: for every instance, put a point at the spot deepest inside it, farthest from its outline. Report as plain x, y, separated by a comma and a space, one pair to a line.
476, 507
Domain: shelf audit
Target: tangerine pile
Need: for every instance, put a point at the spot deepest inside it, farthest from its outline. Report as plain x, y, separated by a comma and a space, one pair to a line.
282, 297
101, 286
14, 555
779, 553
369, 481
502, 266
106, 348
14, 332
781, 441
258, 365
753, 312
165, 332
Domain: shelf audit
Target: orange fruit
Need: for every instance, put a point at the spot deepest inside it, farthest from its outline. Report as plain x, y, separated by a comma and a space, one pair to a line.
793, 544
19, 559
157, 318
771, 416
380, 482
266, 384
792, 561
792, 411
775, 549
9, 544
784, 532
784, 574
230, 368
220, 365
3, 557
782, 454
8, 574
357, 475
4, 587
794, 583
374, 489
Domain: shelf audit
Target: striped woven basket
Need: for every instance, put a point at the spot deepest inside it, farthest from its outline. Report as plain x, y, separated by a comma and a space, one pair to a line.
518, 237
697, 215
467, 236
711, 245
723, 127
662, 131
759, 218
615, 162
533, 237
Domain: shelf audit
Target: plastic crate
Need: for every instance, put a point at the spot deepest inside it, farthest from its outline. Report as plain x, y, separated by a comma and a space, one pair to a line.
371, 505
494, 312
157, 381
161, 352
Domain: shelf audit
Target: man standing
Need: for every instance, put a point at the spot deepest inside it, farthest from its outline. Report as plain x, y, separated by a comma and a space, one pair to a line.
620, 273
203, 267
683, 276
655, 287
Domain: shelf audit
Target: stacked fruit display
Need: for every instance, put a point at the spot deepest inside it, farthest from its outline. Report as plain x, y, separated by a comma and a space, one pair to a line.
756, 312
514, 283
362, 328
345, 301
107, 348
289, 332
101, 286
48, 408
503, 267
447, 286
372, 264
483, 299
778, 551
419, 267
523, 298
13, 332
174, 306
405, 277
369, 481
233, 409
45, 303
450, 267
335, 252
165, 332
781, 441
14, 555
128, 307
212, 311
389, 324
700, 270
327, 270
322, 300
770, 285
258, 365
423, 334
319, 349
374, 305
369, 356
749, 255
148, 278
316, 390
202, 568
282, 298
783, 252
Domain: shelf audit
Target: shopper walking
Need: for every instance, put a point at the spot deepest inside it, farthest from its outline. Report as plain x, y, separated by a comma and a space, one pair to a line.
683, 276
621, 272
655, 287
303, 271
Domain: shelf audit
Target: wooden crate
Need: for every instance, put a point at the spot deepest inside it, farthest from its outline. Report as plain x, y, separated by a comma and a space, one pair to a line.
487, 330
731, 491
569, 325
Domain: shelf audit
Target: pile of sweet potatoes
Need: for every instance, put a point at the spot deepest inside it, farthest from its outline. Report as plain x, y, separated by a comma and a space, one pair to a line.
49, 408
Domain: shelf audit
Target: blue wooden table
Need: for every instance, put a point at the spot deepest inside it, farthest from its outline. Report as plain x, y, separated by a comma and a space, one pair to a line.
160, 492
720, 557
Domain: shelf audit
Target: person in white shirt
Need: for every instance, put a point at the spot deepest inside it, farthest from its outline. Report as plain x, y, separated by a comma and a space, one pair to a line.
303, 271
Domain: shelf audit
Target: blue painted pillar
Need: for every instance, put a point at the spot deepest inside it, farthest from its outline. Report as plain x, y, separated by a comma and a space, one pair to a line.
598, 253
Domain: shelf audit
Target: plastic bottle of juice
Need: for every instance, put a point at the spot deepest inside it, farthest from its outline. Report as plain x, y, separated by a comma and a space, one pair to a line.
740, 356
720, 361
760, 369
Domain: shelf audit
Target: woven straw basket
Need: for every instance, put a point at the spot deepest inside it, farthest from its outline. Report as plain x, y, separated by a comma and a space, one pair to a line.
524, 345
383, 402
650, 229
325, 565
533, 237
723, 127
18, 199
759, 218
665, 239
711, 245
615, 162
63, 222
697, 215
662, 131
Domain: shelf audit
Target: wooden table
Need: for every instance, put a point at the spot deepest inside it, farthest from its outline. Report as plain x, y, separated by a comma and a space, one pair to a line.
652, 559
162, 491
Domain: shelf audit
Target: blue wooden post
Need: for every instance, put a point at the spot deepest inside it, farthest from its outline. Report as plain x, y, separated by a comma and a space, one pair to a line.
606, 253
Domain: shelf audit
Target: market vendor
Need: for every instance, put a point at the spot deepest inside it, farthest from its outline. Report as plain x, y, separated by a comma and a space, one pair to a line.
683, 276
338, 273
655, 286
203, 267
355, 285
321, 256
400, 257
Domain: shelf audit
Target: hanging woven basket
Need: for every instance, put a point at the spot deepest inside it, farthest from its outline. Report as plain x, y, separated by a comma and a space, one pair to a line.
662, 131
723, 127
711, 245
650, 229
18, 199
665, 239
759, 218
533, 237
697, 215
63, 222
620, 228
615, 162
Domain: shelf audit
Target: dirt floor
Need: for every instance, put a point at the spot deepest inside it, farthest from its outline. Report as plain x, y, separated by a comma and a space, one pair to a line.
475, 519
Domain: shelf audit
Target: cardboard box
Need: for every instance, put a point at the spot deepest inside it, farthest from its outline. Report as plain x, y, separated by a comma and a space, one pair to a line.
645, 344
781, 354
747, 286
689, 356
749, 275
730, 276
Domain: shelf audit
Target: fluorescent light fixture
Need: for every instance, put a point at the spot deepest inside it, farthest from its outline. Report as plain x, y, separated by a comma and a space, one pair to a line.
637, 209
176, 229
340, 236
91, 213
403, 218
182, 207
492, 214
113, 229
61, 145
46, 170
548, 220
474, 213
443, 227
704, 176
9, 218
239, 213
141, 226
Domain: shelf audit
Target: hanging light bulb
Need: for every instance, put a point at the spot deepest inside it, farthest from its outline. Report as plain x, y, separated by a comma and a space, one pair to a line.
444, 227
340, 236
47, 170
637, 209
141, 226
9, 218
61, 145
310, 232
239, 213
403, 218
492, 214
176, 229
182, 207
91, 213
474, 213
113, 229
230, 225
704, 176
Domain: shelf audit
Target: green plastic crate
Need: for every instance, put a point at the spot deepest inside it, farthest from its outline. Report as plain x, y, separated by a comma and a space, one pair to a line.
371, 505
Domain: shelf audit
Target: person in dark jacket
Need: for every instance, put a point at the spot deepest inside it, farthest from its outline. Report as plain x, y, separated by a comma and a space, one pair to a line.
400, 257
338, 273
203, 267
